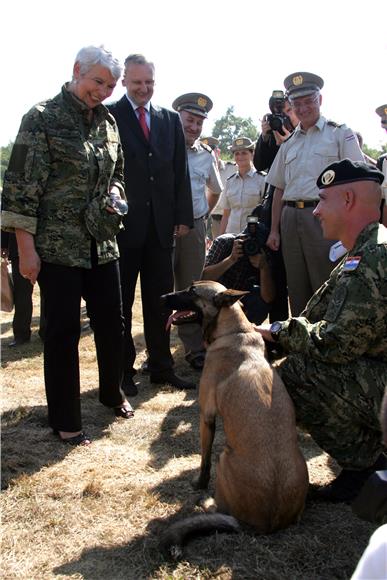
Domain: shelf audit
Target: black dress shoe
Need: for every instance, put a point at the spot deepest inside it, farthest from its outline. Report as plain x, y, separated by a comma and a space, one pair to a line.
144, 369
169, 378
18, 342
347, 485
196, 360
129, 387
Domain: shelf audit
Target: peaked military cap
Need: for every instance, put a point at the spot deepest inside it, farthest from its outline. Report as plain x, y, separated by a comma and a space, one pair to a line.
242, 143
301, 84
347, 171
195, 103
212, 142
382, 112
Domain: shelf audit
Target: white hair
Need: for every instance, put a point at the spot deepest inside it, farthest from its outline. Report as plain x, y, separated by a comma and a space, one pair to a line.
89, 56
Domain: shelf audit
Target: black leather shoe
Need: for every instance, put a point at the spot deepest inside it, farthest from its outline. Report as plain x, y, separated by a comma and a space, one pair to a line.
129, 386
144, 369
169, 378
196, 360
347, 485
18, 342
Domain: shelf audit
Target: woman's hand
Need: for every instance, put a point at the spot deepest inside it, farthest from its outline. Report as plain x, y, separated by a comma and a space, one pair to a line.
29, 261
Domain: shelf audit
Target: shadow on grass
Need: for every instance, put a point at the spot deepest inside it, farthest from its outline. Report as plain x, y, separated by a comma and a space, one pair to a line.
28, 442
306, 551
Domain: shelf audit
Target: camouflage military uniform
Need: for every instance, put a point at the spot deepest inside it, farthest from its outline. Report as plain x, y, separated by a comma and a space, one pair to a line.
337, 370
59, 163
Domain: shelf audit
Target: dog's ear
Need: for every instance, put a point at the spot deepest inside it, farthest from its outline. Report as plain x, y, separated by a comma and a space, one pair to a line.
228, 297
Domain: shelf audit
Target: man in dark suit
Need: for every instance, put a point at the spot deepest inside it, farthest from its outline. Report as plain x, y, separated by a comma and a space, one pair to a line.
158, 189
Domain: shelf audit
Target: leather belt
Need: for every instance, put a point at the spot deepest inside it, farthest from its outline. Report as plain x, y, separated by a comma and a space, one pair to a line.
300, 203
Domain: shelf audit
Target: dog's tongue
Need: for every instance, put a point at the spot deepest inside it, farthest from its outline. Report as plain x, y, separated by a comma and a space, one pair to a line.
175, 316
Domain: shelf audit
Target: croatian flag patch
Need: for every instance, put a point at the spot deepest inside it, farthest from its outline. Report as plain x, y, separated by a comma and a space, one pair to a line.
351, 263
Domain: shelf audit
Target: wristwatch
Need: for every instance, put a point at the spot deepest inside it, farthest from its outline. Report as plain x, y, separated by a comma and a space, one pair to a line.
275, 330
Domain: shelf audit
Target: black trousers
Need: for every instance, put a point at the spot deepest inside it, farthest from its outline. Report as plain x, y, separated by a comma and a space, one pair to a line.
154, 264
22, 293
62, 288
279, 309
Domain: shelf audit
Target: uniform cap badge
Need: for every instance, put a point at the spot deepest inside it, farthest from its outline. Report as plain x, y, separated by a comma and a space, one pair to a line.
202, 102
298, 80
328, 177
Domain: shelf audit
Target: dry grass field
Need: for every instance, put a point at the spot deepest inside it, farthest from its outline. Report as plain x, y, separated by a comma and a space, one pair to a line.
95, 513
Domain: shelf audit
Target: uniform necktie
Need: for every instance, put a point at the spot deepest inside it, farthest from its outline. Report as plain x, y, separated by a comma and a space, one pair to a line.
141, 118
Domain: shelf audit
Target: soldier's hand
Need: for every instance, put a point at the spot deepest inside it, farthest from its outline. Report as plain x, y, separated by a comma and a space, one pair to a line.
273, 241
181, 230
264, 330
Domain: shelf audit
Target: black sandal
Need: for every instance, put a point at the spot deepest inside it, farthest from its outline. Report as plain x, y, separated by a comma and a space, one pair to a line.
80, 439
124, 411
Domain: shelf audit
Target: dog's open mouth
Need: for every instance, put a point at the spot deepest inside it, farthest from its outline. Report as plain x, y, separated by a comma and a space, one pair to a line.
182, 317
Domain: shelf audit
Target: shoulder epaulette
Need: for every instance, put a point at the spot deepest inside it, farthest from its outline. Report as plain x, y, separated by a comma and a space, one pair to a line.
334, 124
233, 175
206, 147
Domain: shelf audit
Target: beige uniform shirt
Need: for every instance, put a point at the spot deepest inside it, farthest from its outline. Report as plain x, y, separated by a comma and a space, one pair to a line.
203, 170
302, 158
226, 169
241, 195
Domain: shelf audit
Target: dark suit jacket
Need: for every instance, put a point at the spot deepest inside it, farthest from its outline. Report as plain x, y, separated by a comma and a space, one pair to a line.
156, 174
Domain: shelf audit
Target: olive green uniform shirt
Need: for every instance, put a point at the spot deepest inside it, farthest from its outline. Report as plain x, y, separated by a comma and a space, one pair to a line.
347, 317
59, 163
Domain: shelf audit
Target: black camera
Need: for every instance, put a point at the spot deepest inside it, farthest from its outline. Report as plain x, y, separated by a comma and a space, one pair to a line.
278, 119
257, 234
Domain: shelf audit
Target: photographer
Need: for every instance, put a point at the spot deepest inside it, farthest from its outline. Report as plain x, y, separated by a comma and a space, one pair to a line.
240, 262
284, 118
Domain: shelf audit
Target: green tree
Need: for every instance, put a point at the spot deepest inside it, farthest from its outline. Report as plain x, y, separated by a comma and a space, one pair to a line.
229, 127
374, 153
5, 154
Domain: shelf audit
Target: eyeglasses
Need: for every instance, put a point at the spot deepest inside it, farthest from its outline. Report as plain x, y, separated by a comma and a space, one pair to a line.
305, 102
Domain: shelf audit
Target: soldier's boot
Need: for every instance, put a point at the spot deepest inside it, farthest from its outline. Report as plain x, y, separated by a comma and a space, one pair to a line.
347, 484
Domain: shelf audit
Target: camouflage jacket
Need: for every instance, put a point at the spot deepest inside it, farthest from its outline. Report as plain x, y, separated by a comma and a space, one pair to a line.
59, 163
347, 317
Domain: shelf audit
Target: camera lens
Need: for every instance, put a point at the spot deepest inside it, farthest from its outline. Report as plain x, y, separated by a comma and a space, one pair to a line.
275, 123
251, 247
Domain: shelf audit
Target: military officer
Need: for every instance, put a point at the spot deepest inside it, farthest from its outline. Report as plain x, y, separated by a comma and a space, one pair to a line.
206, 185
336, 369
244, 189
382, 163
314, 144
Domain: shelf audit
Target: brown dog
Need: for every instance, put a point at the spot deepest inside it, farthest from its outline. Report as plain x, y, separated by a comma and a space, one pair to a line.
261, 476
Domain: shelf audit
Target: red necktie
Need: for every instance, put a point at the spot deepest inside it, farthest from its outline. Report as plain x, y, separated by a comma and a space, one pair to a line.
141, 118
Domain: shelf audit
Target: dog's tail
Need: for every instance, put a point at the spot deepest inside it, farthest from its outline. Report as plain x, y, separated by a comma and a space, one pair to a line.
172, 540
